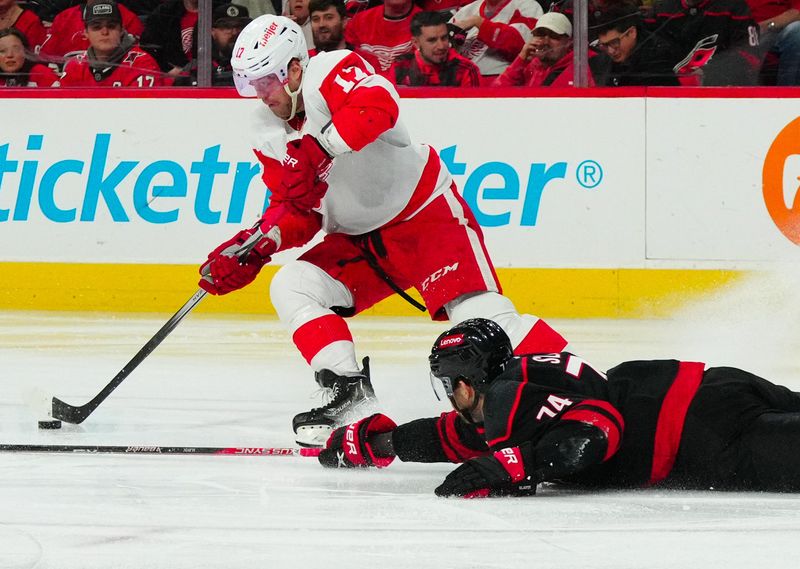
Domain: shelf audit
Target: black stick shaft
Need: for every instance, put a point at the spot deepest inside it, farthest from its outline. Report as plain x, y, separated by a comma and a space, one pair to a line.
112, 449
77, 414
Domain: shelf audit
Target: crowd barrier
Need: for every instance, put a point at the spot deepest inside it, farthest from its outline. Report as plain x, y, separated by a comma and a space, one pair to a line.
595, 202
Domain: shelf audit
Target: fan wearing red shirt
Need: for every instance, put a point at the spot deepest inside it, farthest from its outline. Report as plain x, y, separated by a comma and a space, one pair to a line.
546, 60
433, 62
67, 33
383, 31
12, 15
113, 58
495, 31
17, 68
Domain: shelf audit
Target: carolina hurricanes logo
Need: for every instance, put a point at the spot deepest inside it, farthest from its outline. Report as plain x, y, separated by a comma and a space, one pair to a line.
454, 340
701, 54
131, 57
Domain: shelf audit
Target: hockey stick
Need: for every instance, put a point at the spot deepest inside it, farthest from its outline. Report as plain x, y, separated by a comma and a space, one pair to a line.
109, 449
77, 414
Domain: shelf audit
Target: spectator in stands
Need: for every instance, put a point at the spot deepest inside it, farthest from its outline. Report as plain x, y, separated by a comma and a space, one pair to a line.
169, 34
630, 55
12, 15
67, 33
355, 6
779, 22
495, 31
433, 62
327, 25
113, 59
383, 31
546, 60
227, 22
17, 67
258, 8
715, 41
298, 11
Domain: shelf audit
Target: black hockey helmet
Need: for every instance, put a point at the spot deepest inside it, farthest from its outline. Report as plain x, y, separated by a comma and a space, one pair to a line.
475, 350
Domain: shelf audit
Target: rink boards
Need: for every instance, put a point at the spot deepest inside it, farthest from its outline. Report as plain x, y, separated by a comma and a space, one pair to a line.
612, 203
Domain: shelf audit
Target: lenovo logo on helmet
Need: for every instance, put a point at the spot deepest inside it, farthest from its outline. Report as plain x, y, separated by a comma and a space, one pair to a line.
449, 341
270, 31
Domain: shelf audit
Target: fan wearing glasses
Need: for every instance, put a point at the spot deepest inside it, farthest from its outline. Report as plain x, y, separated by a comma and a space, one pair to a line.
629, 55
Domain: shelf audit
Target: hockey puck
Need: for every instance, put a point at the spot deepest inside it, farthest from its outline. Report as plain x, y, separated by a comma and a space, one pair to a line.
54, 424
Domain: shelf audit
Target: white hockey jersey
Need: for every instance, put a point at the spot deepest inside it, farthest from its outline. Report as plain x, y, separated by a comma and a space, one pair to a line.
485, 46
368, 187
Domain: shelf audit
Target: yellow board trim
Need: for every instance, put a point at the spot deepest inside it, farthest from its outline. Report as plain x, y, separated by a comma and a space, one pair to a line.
550, 293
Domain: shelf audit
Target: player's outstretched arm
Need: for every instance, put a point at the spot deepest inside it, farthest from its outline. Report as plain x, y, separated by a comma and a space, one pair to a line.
377, 441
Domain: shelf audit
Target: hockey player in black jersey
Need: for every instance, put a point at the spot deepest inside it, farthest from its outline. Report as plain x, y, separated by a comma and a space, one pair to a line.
520, 421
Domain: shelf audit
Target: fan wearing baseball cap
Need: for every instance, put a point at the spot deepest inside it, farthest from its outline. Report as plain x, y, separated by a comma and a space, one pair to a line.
546, 59
227, 22
113, 58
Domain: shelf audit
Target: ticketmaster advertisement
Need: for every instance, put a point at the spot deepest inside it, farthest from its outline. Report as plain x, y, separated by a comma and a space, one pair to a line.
555, 182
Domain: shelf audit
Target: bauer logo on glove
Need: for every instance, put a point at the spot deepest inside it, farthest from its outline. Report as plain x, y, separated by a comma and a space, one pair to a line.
350, 446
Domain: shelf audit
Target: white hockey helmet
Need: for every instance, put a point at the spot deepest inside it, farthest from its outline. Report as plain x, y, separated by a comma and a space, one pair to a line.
266, 46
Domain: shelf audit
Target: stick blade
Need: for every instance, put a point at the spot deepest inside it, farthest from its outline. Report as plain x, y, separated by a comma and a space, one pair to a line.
66, 412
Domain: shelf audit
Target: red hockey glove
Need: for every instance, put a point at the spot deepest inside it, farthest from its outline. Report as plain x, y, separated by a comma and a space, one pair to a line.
225, 271
305, 170
348, 446
502, 474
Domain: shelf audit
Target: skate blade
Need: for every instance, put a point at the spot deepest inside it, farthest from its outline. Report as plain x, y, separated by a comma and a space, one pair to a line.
313, 436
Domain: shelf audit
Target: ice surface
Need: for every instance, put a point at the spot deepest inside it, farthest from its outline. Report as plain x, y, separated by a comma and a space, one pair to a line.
237, 382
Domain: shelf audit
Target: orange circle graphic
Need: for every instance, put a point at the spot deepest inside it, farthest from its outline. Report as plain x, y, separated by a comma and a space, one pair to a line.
781, 179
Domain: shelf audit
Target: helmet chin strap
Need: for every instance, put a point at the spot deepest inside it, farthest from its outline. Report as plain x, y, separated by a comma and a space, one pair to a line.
293, 95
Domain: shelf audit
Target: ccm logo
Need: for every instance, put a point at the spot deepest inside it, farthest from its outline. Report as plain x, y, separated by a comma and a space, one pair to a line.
439, 273
455, 340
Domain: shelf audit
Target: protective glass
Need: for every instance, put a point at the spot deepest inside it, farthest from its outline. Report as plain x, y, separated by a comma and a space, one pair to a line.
442, 387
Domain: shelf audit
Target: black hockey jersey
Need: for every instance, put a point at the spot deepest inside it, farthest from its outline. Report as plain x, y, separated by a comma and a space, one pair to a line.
641, 408
716, 38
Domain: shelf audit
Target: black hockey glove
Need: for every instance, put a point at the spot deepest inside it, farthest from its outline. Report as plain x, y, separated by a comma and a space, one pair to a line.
501, 474
349, 447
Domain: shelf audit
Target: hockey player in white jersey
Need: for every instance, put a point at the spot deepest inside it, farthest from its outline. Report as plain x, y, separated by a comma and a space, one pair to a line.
339, 159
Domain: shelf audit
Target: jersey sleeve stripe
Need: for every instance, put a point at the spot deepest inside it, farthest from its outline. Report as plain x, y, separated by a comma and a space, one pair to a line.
455, 450
606, 407
446, 447
602, 422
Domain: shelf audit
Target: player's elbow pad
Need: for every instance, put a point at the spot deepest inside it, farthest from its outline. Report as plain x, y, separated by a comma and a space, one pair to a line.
356, 125
562, 454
